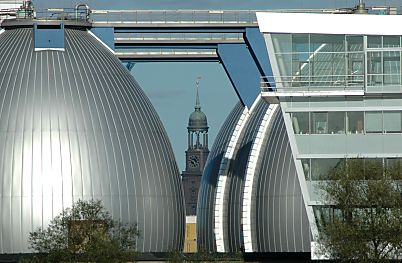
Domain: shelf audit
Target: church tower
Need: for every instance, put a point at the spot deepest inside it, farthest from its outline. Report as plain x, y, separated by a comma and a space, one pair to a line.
196, 155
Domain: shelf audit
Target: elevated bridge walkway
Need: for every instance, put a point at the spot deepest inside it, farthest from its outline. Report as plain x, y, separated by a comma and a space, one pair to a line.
230, 37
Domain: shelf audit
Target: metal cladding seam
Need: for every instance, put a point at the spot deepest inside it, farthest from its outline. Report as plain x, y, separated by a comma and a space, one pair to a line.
76, 125
209, 180
236, 176
280, 217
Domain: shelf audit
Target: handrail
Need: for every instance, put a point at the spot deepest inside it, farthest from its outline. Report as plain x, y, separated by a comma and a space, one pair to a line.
286, 83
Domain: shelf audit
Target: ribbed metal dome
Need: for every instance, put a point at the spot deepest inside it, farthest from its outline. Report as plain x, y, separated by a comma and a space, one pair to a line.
76, 125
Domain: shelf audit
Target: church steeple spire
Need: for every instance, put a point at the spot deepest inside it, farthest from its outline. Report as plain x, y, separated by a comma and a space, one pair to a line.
197, 99
196, 154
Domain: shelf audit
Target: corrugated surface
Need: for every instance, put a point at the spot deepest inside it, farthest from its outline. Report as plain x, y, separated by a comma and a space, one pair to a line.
281, 223
236, 176
206, 195
75, 125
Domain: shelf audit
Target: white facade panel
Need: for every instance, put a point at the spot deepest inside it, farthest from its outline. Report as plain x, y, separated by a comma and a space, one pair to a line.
313, 23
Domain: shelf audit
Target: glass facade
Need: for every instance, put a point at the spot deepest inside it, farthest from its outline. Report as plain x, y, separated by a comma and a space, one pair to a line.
352, 122
325, 62
321, 169
319, 61
336, 129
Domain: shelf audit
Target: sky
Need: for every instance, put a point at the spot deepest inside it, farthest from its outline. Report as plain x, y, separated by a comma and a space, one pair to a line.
171, 86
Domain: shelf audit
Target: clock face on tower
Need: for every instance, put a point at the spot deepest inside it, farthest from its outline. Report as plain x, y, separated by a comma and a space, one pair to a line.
193, 161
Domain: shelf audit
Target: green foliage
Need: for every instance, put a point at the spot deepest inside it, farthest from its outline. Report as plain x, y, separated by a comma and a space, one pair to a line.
204, 256
84, 233
366, 224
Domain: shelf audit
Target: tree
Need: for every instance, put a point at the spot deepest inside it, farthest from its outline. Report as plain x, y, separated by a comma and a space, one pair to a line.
84, 233
364, 221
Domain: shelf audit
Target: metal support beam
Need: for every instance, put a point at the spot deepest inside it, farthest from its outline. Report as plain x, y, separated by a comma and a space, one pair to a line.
244, 60
242, 71
256, 43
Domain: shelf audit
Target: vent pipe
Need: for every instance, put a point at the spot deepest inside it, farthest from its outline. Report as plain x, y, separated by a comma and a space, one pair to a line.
361, 8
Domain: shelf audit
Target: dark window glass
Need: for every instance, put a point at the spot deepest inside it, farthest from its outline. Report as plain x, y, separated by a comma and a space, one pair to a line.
300, 121
355, 122
323, 169
320, 122
354, 43
327, 43
336, 122
306, 168
391, 41
374, 41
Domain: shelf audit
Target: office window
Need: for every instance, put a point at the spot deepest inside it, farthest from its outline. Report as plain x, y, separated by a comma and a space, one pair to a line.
392, 67
355, 122
374, 68
336, 122
374, 41
327, 43
392, 121
300, 43
300, 121
391, 41
320, 122
355, 69
354, 43
374, 122
321, 169
326, 214
306, 168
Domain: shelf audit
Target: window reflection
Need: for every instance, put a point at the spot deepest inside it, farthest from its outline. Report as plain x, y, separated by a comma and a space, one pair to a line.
320, 122
392, 122
355, 122
300, 121
336, 122
374, 122
393, 168
321, 169
352, 122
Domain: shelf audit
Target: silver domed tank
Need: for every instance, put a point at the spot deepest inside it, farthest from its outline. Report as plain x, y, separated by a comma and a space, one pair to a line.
74, 124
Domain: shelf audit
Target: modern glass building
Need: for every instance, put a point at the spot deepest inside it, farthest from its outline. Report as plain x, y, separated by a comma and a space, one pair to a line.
335, 95
337, 79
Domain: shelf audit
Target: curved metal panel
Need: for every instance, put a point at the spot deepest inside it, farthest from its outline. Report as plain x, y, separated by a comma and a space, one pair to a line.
236, 172
254, 161
209, 181
76, 125
280, 218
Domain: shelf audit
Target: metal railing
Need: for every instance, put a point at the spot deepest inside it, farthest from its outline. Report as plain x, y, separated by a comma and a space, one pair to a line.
178, 36
312, 83
210, 16
175, 16
63, 14
162, 51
